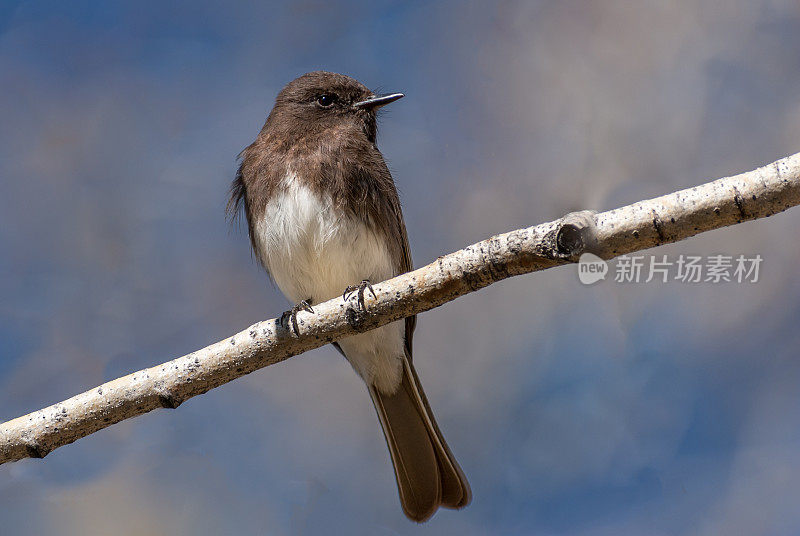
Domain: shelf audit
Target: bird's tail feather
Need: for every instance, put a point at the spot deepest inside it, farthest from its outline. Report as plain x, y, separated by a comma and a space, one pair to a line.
428, 475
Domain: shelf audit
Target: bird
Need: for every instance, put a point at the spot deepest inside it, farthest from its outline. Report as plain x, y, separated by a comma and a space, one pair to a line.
324, 220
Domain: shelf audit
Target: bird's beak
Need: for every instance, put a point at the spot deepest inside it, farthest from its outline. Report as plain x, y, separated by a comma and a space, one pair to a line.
377, 101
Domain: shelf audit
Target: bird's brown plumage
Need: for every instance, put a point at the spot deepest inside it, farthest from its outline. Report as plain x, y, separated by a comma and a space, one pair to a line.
333, 152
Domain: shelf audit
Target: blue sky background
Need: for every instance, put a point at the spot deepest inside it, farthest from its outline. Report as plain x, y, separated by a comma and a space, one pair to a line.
613, 409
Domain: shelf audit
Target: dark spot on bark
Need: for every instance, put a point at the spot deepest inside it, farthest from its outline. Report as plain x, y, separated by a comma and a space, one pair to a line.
168, 401
659, 226
354, 318
498, 270
35, 450
737, 198
472, 279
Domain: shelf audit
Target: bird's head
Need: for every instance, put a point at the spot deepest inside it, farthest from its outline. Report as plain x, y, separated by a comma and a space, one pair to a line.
320, 101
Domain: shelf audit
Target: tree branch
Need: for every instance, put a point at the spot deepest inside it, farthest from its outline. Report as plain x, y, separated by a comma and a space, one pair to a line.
756, 194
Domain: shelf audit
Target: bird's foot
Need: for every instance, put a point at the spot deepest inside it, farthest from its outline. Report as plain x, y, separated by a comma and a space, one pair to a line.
290, 316
360, 288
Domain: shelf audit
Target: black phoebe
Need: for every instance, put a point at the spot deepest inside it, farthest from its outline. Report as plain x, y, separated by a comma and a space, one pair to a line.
323, 214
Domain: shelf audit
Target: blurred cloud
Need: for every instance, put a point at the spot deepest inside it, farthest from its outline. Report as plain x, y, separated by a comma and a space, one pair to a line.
612, 409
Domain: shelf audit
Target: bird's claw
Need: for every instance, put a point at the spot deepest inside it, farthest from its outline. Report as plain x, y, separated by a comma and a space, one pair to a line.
291, 315
360, 288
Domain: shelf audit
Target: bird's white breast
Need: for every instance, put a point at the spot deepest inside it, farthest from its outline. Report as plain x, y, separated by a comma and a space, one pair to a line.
314, 251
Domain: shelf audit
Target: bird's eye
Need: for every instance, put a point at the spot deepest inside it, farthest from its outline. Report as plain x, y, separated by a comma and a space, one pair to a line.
325, 100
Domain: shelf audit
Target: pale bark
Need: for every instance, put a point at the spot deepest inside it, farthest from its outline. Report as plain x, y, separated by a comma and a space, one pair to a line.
756, 194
